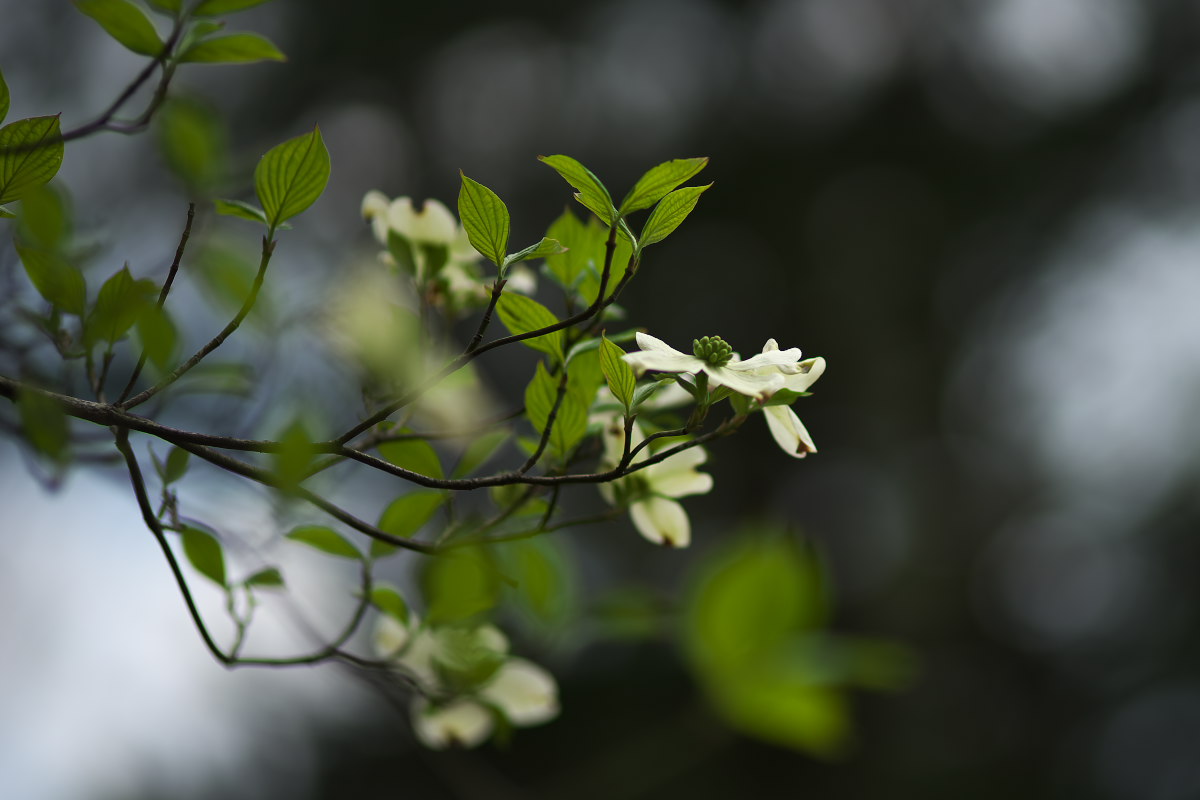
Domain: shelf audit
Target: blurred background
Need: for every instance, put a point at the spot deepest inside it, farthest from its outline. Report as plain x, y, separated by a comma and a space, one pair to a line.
980, 212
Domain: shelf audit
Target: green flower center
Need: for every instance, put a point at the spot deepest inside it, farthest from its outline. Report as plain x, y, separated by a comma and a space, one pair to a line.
713, 349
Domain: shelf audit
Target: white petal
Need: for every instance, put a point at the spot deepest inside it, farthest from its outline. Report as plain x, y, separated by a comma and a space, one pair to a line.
810, 370
389, 636
462, 723
659, 361
770, 346
491, 638
648, 342
435, 224
375, 211
677, 476
526, 693
789, 431
768, 358
752, 384
662, 521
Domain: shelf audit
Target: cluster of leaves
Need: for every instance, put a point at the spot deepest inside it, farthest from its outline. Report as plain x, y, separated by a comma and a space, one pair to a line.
588, 415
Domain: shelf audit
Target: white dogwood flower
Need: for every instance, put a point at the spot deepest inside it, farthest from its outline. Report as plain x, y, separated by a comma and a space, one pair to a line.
759, 376
787, 429
653, 491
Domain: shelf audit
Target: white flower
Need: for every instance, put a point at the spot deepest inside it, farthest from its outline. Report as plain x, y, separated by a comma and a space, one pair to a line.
787, 429
433, 225
654, 489
758, 377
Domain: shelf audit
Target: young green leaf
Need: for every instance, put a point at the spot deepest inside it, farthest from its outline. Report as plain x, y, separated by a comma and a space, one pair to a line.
670, 212
31, 152
45, 424
326, 540
204, 552
211, 8
390, 602
654, 185
460, 585
621, 381
479, 451
4, 99
485, 218
61, 283
124, 22
269, 578
584, 242
121, 302
544, 248
291, 176
570, 423
233, 48
6, 214
237, 208
192, 139
413, 454
405, 515
521, 314
157, 335
591, 192
45, 218
169, 7
294, 456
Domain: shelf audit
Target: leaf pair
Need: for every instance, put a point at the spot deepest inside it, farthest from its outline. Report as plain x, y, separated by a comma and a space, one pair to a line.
488, 224
288, 179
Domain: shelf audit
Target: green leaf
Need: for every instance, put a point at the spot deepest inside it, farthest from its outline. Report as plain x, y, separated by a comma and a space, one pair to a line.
122, 301
670, 212
544, 248
4, 98
192, 139
584, 243
648, 390
211, 8
390, 602
655, 184
402, 251
478, 452
294, 457
31, 152
326, 540
591, 192
269, 578
45, 218
176, 466
570, 424
544, 584
416, 455
45, 424
6, 214
61, 283
237, 208
620, 377
521, 314
124, 22
169, 7
485, 218
589, 286
291, 176
233, 48
157, 335
204, 552
409, 512
460, 585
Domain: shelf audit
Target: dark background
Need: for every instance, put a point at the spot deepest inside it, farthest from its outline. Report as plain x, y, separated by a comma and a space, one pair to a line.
981, 214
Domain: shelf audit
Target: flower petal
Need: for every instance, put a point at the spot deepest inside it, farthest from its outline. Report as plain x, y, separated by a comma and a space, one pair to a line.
769, 358
677, 476
662, 521
433, 224
390, 635
645, 360
752, 384
789, 431
462, 723
810, 370
526, 693
375, 210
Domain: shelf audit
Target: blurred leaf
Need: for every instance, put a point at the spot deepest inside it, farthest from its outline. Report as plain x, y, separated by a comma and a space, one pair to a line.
464, 659
157, 335
31, 153
121, 302
648, 390
670, 212
170, 7
784, 710
269, 578
176, 466
544, 248
6, 214
402, 251
570, 424
416, 455
521, 314
225, 276
45, 219
481, 448
210, 8
291, 176
544, 587
326, 540
485, 219
630, 612
591, 192
4, 97
234, 48
390, 602
621, 381
192, 138
655, 184
460, 585
204, 552
57, 281
407, 514
582, 241
589, 286
45, 424
294, 457
124, 22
